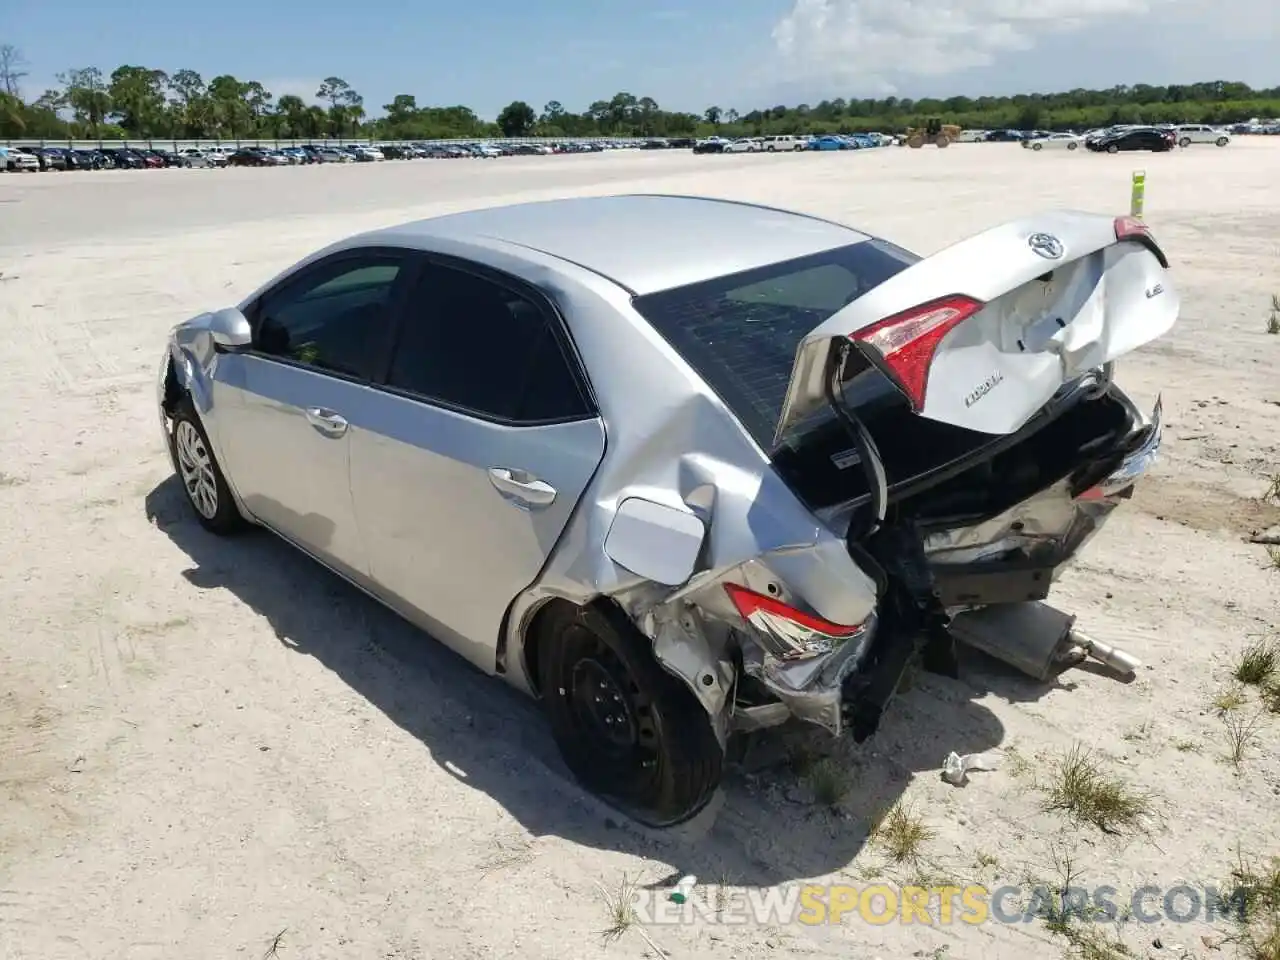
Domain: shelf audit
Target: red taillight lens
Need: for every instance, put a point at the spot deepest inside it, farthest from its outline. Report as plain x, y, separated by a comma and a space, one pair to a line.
1132, 228
907, 341
789, 634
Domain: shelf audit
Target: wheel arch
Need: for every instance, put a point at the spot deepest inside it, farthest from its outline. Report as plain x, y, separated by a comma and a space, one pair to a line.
539, 626
179, 383
173, 388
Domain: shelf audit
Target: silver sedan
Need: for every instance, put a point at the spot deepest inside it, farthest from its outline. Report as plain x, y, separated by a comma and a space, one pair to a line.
678, 467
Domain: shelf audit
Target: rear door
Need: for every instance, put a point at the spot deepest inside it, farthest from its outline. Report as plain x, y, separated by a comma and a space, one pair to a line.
468, 463
982, 334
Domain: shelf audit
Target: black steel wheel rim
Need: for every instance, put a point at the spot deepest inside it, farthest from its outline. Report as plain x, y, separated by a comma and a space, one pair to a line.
611, 713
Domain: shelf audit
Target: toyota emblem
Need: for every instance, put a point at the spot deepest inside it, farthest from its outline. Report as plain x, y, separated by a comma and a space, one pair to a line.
1046, 245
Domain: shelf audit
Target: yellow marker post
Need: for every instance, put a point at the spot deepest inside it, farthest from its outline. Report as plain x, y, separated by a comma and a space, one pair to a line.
1138, 194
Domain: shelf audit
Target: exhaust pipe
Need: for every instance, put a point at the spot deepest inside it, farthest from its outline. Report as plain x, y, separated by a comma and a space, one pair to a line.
1036, 640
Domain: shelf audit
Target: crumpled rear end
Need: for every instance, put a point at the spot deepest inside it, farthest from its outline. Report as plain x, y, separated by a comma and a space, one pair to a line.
1016, 555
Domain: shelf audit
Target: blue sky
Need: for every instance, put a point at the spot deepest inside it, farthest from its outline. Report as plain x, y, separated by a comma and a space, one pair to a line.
686, 54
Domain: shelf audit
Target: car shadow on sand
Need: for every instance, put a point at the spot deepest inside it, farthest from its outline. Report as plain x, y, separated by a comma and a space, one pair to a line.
769, 824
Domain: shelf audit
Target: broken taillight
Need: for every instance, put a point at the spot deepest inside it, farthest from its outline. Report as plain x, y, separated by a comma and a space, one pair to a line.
788, 633
1133, 228
907, 341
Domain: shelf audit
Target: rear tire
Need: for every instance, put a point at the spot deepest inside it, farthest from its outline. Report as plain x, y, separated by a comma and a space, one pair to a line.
629, 731
1037, 146
206, 488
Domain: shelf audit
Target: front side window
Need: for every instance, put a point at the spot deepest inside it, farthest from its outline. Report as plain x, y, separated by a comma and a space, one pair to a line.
480, 346
335, 319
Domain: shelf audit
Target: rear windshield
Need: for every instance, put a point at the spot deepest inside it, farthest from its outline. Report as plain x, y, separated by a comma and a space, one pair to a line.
741, 332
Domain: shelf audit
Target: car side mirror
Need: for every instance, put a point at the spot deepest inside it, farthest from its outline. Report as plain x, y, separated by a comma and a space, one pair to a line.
230, 329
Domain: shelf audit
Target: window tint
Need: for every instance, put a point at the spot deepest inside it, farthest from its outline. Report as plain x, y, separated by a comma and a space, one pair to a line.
337, 319
740, 333
474, 344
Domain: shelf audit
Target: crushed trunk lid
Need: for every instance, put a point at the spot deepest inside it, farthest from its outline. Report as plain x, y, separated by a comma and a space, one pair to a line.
982, 334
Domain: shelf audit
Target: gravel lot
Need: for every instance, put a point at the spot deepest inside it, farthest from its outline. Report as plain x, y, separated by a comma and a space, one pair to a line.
204, 745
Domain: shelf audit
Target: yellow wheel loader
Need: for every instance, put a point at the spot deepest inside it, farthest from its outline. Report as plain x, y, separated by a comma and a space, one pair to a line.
934, 131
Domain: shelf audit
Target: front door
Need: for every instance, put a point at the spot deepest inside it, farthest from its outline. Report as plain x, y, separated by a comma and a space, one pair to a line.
466, 469
285, 405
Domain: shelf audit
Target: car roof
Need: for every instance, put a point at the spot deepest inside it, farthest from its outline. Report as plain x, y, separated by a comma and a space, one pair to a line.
642, 242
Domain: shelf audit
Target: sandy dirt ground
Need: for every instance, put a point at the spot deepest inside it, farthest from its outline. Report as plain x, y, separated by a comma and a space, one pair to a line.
215, 749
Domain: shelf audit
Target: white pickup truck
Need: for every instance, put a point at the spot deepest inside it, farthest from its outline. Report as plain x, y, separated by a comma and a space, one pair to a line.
17, 160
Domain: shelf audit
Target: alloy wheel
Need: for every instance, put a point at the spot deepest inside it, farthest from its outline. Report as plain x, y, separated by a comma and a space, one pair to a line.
195, 464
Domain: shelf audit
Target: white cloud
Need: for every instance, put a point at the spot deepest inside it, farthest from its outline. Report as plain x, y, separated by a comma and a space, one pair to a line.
872, 43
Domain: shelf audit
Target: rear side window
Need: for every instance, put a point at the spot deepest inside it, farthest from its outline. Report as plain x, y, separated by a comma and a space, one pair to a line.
481, 347
741, 332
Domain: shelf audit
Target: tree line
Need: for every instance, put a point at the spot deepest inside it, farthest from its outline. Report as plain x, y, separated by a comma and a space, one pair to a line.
138, 102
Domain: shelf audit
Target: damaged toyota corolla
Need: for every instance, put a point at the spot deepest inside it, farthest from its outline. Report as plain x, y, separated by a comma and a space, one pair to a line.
679, 467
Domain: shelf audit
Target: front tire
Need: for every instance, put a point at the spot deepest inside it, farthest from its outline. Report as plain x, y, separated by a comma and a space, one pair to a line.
1037, 146
1184, 142
1113, 149
1221, 141
629, 731
198, 472
1072, 146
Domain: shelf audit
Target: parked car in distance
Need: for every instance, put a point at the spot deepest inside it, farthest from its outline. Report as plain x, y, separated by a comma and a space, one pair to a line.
790, 143
18, 160
194, 159
123, 159
1136, 138
710, 145
755, 541
92, 160
251, 157
1055, 141
1189, 133
828, 142
744, 145
50, 158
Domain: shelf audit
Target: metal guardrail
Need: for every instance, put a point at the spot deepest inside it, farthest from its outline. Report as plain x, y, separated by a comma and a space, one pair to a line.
163, 143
